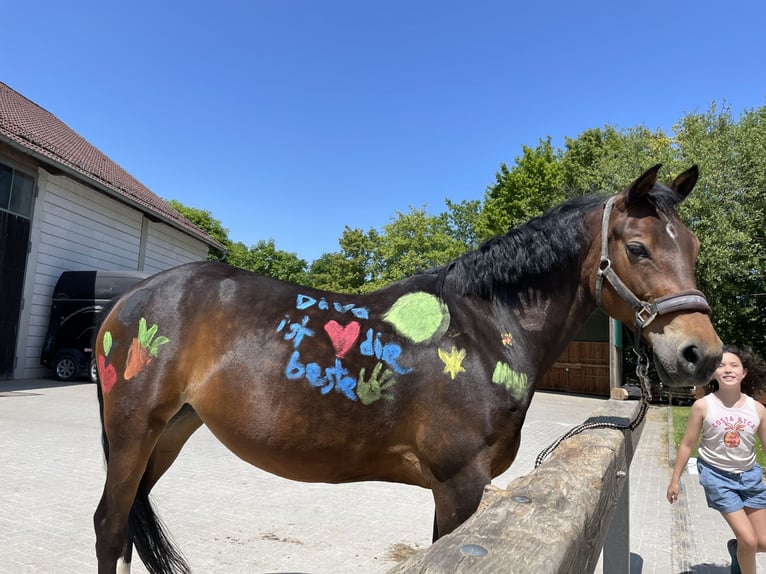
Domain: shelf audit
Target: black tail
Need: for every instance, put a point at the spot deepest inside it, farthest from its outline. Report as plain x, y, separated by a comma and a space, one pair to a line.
145, 530
151, 540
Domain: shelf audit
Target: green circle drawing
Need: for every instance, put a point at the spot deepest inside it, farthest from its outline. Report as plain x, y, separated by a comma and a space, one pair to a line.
419, 316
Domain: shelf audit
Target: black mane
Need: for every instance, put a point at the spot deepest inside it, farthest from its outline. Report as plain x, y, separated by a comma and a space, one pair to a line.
546, 243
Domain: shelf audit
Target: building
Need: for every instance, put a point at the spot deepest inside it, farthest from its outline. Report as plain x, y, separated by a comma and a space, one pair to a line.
592, 363
65, 206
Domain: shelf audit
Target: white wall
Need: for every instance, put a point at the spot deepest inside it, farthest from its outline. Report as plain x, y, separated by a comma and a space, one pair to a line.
75, 227
167, 247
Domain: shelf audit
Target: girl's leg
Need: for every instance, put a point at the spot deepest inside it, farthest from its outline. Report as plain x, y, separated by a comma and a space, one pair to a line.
747, 541
757, 518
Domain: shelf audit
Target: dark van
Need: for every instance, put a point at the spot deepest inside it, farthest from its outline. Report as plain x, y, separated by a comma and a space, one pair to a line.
78, 299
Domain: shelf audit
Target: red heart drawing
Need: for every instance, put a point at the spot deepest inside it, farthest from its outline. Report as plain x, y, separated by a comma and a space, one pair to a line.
343, 338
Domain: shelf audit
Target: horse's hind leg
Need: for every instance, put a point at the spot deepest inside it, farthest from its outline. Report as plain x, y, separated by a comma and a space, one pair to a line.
124, 515
167, 449
125, 468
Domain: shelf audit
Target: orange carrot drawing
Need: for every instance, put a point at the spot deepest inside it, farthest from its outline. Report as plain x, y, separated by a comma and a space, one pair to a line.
143, 349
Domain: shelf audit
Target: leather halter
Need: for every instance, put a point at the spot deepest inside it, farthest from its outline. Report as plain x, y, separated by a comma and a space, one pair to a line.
645, 312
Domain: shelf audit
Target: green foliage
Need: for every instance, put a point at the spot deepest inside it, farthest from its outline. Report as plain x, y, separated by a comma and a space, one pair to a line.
600, 159
727, 212
266, 259
263, 257
349, 270
462, 222
606, 160
205, 221
522, 192
412, 242
680, 418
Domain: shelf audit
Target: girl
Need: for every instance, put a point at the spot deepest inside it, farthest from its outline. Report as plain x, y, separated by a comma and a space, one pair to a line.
729, 419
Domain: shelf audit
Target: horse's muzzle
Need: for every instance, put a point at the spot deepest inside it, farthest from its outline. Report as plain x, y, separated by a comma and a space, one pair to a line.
694, 365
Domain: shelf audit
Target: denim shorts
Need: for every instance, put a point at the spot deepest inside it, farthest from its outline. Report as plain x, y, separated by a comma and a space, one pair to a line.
729, 491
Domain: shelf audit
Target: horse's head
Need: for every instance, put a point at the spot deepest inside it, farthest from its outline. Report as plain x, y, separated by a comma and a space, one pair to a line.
646, 277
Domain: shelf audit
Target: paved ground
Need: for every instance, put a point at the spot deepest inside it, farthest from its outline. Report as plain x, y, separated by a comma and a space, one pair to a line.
229, 517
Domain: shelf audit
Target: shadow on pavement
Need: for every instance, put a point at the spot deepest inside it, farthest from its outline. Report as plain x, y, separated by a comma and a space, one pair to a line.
708, 569
33, 384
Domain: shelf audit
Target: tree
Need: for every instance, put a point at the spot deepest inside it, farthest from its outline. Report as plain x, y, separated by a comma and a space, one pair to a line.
205, 221
266, 259
412, 242
726, 211
349, 270
522, 192
263, 257
606, 160
463, 222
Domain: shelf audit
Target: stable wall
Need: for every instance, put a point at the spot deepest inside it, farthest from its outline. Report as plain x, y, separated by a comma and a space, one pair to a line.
75, 227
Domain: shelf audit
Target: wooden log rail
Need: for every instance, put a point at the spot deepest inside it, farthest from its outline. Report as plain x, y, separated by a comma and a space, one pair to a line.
554, 520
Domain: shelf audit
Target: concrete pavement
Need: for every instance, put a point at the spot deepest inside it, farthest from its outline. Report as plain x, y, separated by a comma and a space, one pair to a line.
229, 517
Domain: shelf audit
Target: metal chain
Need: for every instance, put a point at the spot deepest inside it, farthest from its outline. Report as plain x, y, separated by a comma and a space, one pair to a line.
642, 370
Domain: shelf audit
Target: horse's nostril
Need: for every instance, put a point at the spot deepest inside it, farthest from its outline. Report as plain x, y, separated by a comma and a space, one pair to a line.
691, 355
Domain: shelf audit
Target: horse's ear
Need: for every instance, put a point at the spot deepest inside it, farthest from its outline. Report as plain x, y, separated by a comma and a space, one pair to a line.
685, 182
643, 185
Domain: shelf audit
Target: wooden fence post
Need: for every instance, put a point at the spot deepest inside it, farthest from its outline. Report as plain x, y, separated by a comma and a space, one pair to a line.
617, 542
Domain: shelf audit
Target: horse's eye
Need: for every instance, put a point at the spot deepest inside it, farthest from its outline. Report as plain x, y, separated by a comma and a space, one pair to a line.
637, 250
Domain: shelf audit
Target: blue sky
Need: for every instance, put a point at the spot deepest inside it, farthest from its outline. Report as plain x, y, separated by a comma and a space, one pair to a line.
291, 119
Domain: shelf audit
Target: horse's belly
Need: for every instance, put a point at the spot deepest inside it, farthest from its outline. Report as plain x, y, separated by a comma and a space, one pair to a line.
321, 458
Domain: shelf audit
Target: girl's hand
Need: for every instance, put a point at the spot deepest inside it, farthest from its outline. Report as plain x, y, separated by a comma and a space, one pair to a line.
672, 492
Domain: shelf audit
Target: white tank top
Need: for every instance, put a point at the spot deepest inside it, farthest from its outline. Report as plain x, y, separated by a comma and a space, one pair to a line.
728, 435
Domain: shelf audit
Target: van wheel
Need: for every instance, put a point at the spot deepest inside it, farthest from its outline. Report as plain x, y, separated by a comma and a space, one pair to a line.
93, 371
66, 368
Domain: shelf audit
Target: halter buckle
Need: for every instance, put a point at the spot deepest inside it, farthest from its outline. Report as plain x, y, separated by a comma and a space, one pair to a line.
645, 314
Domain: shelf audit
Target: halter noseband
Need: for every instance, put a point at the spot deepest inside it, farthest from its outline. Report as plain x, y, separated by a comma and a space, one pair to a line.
645, 312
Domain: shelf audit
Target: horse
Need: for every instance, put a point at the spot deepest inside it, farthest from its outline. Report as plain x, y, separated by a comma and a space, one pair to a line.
425, 382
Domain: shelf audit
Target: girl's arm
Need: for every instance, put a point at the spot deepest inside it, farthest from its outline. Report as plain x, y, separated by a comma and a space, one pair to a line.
762, 427
693, 428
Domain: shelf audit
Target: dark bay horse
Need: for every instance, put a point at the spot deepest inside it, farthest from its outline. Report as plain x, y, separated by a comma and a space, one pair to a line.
425, 382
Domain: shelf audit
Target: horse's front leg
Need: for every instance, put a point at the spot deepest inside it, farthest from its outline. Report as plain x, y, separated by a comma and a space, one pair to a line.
457, 498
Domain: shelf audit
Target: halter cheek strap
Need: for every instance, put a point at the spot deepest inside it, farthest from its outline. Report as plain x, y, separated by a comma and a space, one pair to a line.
645, 312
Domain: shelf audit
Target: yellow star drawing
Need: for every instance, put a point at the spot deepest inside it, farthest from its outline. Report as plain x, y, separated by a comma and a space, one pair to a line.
453, 361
